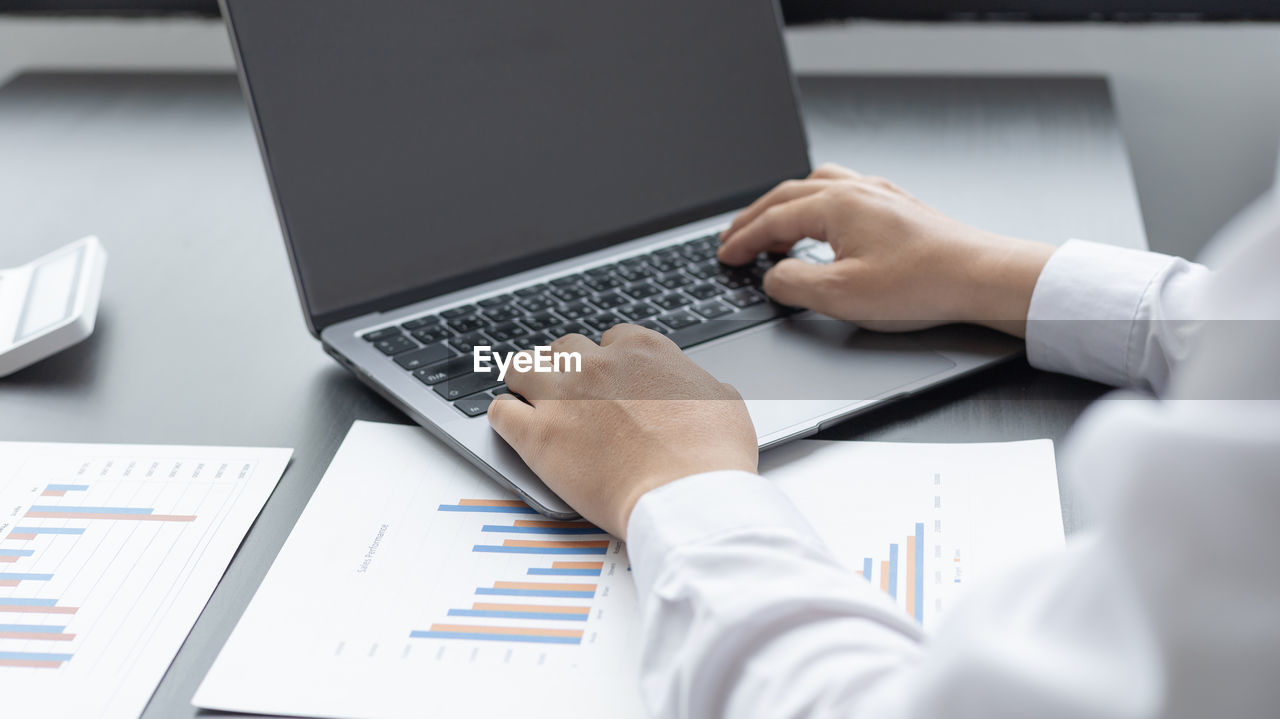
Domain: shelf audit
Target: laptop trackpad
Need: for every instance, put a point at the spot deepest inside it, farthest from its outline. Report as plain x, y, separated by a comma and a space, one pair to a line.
802, 368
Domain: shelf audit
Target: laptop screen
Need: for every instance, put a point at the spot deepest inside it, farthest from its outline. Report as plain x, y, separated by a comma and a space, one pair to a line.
416, 147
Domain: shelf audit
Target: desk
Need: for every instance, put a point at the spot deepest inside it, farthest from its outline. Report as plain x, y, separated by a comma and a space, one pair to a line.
200, 339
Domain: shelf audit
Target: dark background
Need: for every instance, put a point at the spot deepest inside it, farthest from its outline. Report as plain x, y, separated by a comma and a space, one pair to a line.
797, 11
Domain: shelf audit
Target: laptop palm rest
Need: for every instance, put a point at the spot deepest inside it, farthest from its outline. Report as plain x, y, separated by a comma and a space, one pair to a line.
794, 372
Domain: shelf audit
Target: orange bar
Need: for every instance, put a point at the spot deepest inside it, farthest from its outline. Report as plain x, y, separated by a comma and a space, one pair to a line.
36, 610
81, 515
556, 525
491, 503
911, 573
9, 559
884, 576
530, 608
37, 635
21, 536
602, 543
546, 585
524, 631
29, 663
577, 565
54, 493
9, 582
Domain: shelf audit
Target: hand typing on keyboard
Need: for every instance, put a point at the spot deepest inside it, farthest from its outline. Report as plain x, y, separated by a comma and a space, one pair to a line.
899, 264
640, 414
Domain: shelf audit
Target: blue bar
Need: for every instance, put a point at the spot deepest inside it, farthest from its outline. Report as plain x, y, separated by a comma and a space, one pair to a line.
538, 550
566, 572
22, 575
46, 530
469, 508
31, 628
541, 530
918, 610
17, 552
20, 602
515, 615
866, 570
35, 656
91, 510
536, 593
67, 487
893, 571
419, 634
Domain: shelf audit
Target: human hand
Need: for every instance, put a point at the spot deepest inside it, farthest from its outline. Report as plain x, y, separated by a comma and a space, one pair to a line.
639, 415
900, 264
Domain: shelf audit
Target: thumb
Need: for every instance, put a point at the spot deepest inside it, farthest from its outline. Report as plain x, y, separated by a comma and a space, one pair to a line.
822, 288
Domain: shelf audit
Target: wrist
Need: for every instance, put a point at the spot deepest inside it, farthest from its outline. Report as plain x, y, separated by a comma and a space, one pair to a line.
1002, 278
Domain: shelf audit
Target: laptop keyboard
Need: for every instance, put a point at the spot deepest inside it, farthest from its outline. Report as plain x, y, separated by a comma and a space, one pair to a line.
678, 290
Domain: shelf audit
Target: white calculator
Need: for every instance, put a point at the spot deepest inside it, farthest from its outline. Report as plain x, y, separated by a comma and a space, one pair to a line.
49, 304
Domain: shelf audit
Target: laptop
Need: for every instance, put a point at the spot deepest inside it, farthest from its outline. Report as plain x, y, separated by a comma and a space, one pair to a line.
451, 175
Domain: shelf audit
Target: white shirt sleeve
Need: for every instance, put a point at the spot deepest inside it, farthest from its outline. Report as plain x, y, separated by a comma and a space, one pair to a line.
1166, 609
1118, 316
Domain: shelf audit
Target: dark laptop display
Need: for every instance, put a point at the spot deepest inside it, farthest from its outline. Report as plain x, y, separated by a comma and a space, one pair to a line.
421, 146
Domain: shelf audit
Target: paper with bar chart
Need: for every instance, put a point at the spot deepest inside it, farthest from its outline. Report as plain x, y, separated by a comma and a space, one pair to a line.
412, 586
921, 521
108, 553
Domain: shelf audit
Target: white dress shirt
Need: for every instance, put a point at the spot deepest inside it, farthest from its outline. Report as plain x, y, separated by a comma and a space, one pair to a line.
1168, 607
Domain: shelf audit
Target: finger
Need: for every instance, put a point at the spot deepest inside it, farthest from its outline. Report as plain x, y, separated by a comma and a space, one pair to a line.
832, 171
511, 419
822, 288
783, 192
777, 229
573, 342
527, 383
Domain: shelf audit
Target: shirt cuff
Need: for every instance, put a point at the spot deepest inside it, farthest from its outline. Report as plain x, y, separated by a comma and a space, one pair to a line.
1084, 306
702, 506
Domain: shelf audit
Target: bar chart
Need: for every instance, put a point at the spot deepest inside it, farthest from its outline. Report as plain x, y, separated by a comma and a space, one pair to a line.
106, 557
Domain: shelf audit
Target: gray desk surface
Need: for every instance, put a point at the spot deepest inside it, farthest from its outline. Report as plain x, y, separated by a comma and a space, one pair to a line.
200, 339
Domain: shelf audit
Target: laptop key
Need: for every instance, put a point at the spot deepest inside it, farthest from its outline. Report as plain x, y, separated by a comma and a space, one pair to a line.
503, 314
679, 319
385, 333
663, 264
569, 294
395, 345
638, 311
475, 405
712, 309
744, 297
609, 300
531, 290
705, 290
504, 332
421, 322
497, 301
466, 343
733, 279
575, 311
425, 356
569, 328
537, 339
431, 334
565, 281
537, 303
674, 280
642, 290
470, 323
631, 273
466, 385
539, 321
705, 269
671, 301
600, 283
605, 320
756, 314
448, 369
456, 312
653, 325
